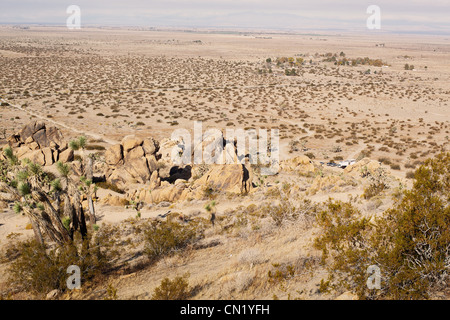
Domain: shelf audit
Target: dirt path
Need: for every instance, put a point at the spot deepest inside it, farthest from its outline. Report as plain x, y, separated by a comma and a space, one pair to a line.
60, 124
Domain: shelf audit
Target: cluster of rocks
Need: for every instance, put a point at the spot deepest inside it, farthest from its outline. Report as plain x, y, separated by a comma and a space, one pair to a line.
365, 164
132, 161
219, 178
301, 164
144, 168
41, 143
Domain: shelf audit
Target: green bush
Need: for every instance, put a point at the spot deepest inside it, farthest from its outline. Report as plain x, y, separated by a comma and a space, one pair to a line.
410, 242
39, 269
176, 289
167, 237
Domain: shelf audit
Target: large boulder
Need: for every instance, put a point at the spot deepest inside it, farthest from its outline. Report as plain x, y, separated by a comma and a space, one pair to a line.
30, 129
114, 200
66, 156
48, 156
150, 146
131, 162
227, 178
114, 154
364, 165
234, 178
168, 192
130, 142
300, 164
136, 153
121, 177
22, 150
138, 169
42, 134
40, 137
40, 143
35, 156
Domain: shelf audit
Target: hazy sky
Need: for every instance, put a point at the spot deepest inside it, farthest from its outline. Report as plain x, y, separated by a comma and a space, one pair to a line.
396, 16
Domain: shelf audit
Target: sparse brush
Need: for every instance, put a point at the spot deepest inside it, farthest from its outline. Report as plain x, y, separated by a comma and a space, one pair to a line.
176, 289
9, 154
74, 145
165, 238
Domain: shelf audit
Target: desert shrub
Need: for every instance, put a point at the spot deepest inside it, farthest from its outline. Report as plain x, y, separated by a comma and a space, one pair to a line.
244, 281
395, 166
377, 183
384, 160
410, 242
310, 155
410, 166
410, 175
176, 289
167, 237
280, 273
40, 269
282, 212
250, 256
285, 211
111, 293
210, 192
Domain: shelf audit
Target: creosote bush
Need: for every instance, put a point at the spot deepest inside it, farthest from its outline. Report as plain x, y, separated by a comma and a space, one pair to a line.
377, 182
167, 237
40, 269
176, 289
410, 242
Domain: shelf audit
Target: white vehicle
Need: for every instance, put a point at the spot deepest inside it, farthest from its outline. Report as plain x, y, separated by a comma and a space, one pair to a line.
346, 163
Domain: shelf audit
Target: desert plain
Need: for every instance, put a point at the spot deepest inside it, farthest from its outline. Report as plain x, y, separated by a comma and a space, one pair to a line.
381, 100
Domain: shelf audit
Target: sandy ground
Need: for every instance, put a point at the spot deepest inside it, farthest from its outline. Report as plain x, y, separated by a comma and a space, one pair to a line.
110, 83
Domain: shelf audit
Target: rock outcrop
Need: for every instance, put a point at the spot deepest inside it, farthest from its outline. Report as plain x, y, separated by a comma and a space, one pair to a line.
331, 183
300, 164
41, 143
220, 179
137, 161
361, 166
227, 178
114, 200
132, 161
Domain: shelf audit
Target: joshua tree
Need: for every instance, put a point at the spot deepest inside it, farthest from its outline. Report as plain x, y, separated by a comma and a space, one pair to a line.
86, 179
31, 188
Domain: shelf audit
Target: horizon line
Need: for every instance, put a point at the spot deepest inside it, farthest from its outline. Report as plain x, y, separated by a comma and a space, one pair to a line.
237, 29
